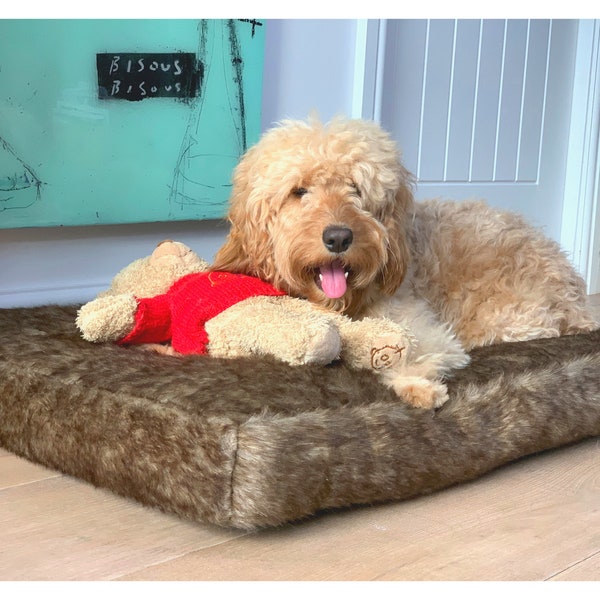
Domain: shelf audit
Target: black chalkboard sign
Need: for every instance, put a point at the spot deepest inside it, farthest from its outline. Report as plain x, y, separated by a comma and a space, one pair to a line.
136, 76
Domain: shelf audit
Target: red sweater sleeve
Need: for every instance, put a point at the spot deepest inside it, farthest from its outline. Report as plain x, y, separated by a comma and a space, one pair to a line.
152, 322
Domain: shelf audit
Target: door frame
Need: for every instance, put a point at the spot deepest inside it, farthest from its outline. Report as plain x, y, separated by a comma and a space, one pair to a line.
580, 228
580, 235
368, 68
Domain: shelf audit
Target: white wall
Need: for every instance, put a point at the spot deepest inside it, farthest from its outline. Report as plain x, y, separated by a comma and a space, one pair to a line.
308, 65
72, 264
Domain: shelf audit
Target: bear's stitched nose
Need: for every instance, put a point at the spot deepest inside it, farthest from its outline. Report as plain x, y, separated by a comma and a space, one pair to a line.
337, 239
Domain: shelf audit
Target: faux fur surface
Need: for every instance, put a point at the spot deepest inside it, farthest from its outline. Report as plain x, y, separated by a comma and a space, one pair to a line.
251, 443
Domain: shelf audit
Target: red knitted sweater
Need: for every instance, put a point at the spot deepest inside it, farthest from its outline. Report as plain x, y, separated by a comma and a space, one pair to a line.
180, 314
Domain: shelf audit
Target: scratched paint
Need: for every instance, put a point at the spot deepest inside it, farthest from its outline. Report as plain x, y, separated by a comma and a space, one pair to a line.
20, 187
195, 178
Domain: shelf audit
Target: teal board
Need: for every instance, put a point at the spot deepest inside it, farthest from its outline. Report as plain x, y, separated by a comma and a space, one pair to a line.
70, 155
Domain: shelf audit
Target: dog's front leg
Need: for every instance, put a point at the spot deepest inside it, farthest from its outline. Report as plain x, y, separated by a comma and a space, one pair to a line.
391, 351
433, 353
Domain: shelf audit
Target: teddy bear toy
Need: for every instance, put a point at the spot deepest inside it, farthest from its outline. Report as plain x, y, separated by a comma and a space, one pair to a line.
171, 302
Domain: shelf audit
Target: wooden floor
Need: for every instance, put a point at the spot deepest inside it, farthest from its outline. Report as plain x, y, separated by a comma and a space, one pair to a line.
537, 519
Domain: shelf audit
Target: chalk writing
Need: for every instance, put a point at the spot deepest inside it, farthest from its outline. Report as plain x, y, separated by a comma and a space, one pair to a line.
137, 76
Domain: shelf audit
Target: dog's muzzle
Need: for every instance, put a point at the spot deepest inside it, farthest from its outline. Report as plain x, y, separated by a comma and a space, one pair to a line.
332, 276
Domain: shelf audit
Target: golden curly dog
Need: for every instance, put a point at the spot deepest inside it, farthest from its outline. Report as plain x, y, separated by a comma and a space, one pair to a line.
326, 212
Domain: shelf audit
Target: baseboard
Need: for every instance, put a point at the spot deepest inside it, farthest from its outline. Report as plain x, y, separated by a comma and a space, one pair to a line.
76, 294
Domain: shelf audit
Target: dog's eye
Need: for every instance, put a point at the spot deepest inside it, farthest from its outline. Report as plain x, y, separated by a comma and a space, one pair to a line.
355, 190
299, 192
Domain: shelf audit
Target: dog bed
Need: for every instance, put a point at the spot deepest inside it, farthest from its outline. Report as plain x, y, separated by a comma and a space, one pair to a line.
250, 443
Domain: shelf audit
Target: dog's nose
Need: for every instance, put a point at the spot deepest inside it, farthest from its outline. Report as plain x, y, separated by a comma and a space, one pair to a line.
337, 239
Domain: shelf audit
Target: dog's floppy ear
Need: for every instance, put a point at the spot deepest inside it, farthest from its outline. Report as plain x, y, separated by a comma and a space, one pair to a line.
231, 256
246, 249
239, 252
395, 222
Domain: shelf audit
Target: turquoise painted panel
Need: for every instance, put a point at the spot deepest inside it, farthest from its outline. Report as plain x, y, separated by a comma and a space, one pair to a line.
69, 157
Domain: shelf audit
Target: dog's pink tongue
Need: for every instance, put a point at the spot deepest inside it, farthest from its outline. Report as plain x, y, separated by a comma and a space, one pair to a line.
333, 280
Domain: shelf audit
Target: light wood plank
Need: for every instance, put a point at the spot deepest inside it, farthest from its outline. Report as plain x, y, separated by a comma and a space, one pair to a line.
18, 471
63, 529
586, 570
523, 522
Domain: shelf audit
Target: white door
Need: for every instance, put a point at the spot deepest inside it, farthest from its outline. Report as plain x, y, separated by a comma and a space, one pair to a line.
481, 109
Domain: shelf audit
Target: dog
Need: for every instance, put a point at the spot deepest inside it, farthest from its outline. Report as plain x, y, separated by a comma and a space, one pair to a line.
326, 212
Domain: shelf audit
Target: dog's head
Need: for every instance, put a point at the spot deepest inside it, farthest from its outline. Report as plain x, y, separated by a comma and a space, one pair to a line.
321, 211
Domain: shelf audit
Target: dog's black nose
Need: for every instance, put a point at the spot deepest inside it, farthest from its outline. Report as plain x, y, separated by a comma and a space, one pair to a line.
337, 239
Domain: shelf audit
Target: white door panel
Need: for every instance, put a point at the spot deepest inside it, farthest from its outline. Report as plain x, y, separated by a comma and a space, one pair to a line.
482, 109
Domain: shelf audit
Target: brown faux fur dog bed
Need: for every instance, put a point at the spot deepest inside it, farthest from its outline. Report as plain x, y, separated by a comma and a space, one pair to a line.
251, 443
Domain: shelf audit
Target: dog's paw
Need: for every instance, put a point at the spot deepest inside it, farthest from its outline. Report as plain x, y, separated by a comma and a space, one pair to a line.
420, 392
164, 349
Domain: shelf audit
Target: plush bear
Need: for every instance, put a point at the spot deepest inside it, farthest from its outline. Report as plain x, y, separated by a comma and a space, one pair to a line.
172, 297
